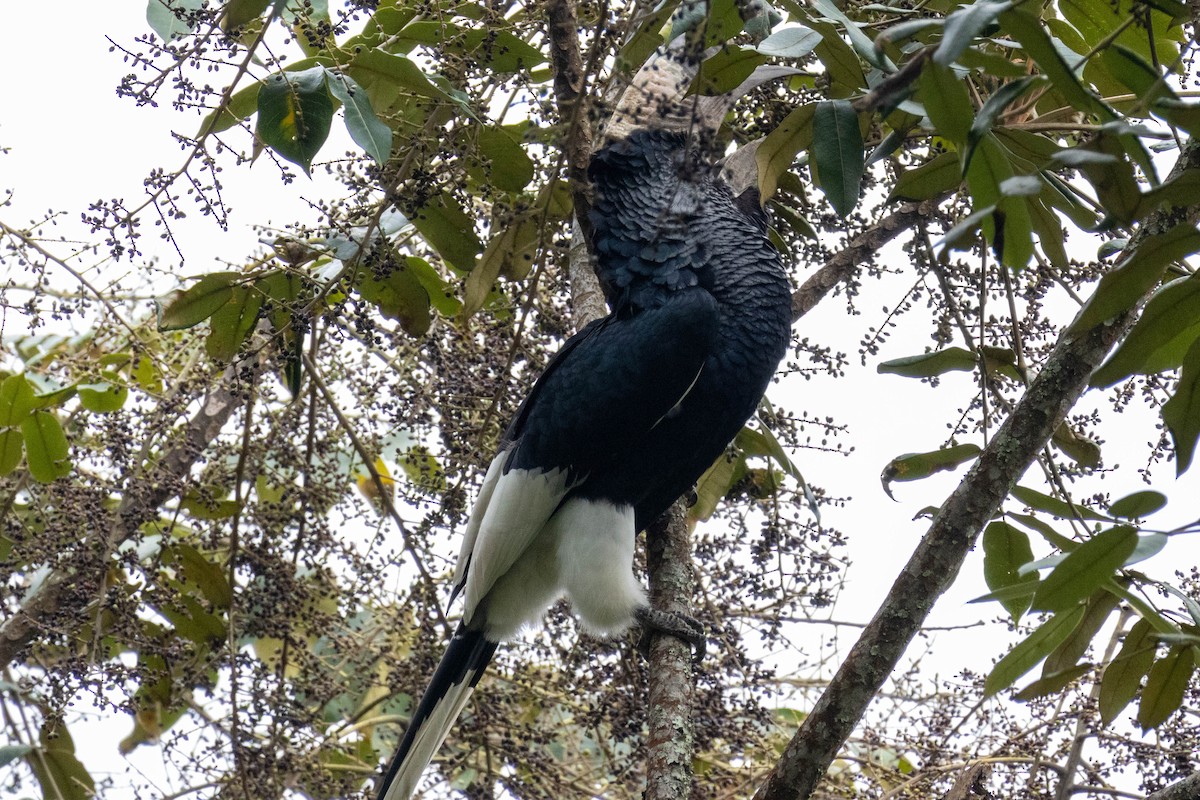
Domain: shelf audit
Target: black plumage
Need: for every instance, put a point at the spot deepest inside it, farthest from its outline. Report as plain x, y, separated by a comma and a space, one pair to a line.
624, 419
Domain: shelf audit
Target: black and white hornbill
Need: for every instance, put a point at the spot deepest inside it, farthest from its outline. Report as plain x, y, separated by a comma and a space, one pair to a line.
633, 409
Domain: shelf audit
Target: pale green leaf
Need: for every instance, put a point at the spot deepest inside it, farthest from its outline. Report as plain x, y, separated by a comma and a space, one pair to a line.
46, 449
364, 126
1123, 675
1085, 569
1165, 686
837, 151
1026, 655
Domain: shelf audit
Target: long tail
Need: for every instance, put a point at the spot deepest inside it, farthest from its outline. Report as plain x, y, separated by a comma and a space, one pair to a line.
460, 669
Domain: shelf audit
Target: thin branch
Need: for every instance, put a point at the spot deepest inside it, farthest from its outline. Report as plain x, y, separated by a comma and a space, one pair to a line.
385, 495
849, 260
951, 536
144, 493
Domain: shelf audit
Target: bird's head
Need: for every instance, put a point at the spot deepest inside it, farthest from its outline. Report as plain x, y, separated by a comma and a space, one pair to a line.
658, 96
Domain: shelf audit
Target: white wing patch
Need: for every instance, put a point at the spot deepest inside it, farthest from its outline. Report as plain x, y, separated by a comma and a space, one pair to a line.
478, 511
514, 512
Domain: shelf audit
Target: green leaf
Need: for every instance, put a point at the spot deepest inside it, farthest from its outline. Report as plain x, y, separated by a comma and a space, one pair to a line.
1027, 151
210, 578
294, 115
499, 50
1085, 569
1052, 505
203, 505
1027, 29
46, 449
1123, 676
1148, 546
1096, 20
915, 466
171, 18
510, 252
1168, 680
926, 365
232, 323
11, 752
1005, 549
399, 295
939, 175
1026, 655
239, 12
1104, 163
1044, 530
995, 105
1124, 285
10, 450
837, 151
1135, 74
1052, 683
16, 400
859, 40
1167, 328
844, 66
191, 306
726, 70
103, 397
906, 30
960, 236
1080, 449
145, 374
795, 41
1138, 505
443, 223
778, 150
1009, 227
1181, 413
1017, 592
244, 102
510, 168
944, 96
1099, 607
963, 25
441, 295
1180, 114
62, 776
364, 126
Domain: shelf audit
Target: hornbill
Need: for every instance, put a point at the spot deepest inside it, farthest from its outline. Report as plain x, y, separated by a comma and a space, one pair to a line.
633, 408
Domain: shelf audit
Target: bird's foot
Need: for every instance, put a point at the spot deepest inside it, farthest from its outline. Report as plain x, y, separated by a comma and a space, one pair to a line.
681, 626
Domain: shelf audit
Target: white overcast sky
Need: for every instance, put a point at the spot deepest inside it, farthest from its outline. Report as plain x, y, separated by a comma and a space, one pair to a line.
72, 141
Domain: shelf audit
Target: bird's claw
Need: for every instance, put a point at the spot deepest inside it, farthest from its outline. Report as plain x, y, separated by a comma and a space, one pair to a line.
681, 626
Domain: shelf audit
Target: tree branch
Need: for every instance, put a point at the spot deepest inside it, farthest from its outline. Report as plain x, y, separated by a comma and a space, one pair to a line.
144, 493
951, 535
569, 82
671, 731
862, 248
670, 738
1186, 789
